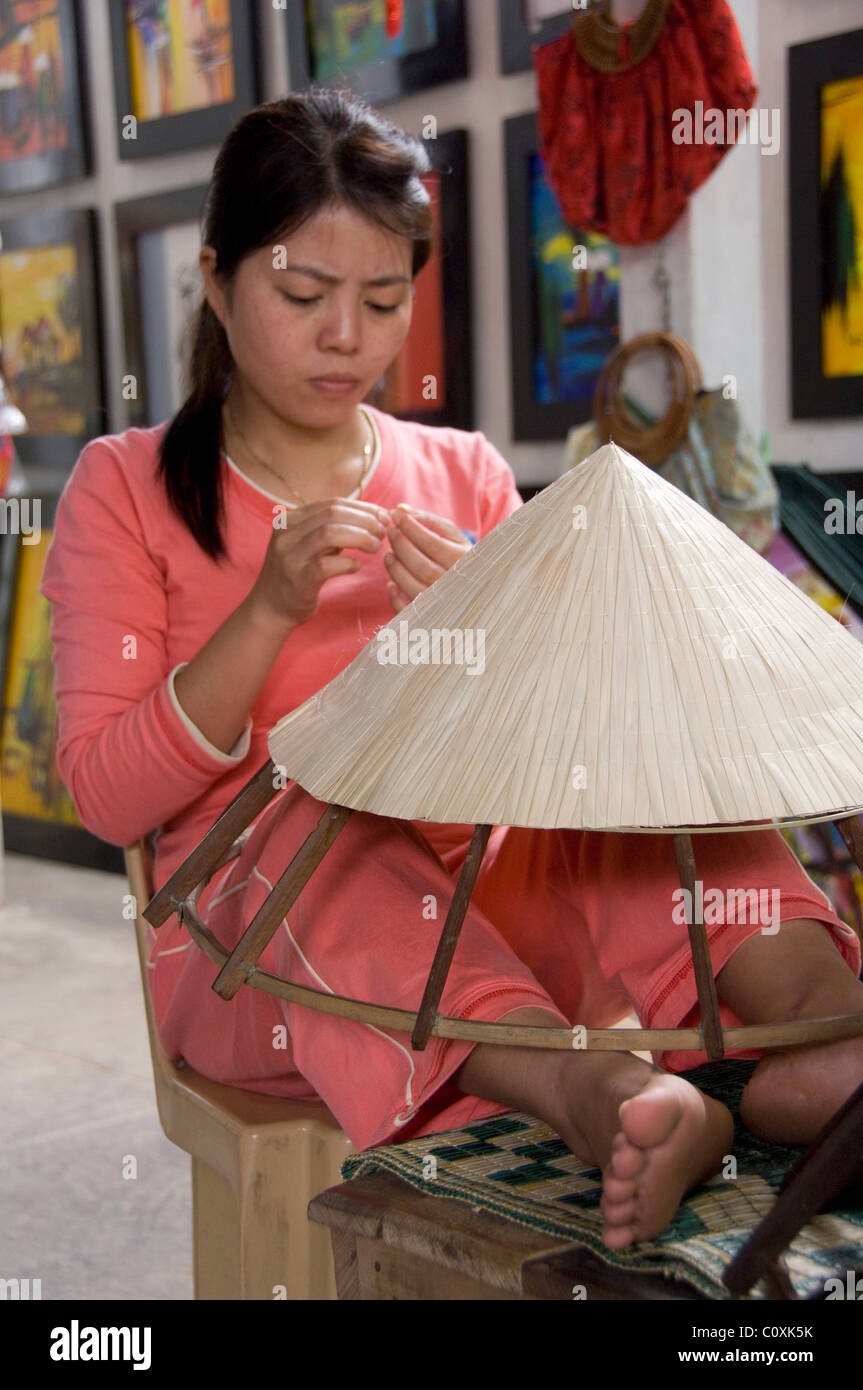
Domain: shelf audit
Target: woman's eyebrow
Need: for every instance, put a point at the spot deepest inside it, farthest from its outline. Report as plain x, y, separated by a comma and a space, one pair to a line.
334, 279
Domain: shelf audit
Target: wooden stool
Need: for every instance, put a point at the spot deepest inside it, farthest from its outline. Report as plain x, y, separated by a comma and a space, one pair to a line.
392, 1241
256, 1162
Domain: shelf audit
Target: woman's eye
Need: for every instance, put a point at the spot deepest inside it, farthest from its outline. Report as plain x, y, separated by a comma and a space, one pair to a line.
381, 308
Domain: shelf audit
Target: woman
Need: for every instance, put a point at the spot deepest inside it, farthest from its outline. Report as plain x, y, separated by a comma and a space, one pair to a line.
210, 574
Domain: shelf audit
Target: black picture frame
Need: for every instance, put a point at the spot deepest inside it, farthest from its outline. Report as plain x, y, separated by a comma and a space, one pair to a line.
517, 40
132, 218
25, 834
385, 80
810, 66
74, 162
531, 419
450, 157
186, 130
78, 228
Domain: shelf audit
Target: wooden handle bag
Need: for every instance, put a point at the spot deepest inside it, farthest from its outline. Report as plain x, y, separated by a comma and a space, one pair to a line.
650, 443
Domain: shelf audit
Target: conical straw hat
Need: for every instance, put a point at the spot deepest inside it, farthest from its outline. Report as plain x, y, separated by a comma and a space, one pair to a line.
618, 659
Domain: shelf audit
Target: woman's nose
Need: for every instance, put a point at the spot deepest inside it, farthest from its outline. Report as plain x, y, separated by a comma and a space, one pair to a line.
341, 327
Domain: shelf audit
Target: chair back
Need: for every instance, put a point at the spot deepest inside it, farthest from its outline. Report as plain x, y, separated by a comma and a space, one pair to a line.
257, 1160
139, 871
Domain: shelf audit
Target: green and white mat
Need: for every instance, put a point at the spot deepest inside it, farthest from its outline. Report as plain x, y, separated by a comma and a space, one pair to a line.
517, 1167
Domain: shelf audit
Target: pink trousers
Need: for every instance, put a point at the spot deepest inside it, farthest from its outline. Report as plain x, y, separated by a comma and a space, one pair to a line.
581, 923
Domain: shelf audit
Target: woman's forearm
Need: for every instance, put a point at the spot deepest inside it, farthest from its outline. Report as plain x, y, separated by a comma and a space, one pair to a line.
218, 689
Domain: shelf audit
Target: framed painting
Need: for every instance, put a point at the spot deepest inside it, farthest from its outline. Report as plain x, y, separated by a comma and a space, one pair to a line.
525, 24
43, 134
346, 43
564, 298
39, 816
432, 378
158, 238
184, 72
826, 226
50, 344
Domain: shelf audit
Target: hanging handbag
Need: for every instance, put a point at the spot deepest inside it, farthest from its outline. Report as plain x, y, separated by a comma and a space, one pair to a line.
701, 444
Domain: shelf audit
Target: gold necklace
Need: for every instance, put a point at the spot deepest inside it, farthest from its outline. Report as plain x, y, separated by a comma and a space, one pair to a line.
367, 457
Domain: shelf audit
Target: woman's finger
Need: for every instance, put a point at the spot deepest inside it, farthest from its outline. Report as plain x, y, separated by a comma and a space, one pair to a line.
402, 576
429, 519
418, 547
398, 598
415, 561
417, 527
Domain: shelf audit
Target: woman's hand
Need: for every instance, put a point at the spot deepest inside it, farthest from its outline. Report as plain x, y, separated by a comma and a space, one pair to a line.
424, 545
307, 551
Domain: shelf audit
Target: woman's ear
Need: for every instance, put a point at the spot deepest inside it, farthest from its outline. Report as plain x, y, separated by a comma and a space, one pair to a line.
208, 260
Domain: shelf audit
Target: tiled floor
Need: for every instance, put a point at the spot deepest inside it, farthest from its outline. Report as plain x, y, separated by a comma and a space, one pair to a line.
78, 1108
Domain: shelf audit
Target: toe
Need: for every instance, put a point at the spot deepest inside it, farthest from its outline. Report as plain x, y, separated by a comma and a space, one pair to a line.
618, 1213
617, 1237
628, 1162
617, 1190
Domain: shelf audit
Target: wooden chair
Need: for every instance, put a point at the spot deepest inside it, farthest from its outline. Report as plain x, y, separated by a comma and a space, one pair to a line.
257, 1162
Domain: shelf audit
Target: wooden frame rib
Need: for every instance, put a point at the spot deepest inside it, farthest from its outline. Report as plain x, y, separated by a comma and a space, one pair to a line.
705, 983
264, 924
225, 840
236, 817
449, 937
523, 1035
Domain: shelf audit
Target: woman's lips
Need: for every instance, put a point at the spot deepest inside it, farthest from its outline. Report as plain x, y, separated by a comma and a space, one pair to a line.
335, 388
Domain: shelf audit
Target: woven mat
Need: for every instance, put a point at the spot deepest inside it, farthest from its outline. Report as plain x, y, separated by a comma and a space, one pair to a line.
517, 1167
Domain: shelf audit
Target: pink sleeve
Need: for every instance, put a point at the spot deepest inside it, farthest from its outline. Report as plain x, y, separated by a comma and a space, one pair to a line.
129, 757
500, 495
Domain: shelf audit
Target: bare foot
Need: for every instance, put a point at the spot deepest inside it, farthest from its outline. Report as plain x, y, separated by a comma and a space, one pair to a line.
672, 1137
792, 1094
665, 1138
653, 1134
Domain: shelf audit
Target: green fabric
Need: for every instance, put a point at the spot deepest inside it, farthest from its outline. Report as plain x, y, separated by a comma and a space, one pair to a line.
839, 555
518, 1167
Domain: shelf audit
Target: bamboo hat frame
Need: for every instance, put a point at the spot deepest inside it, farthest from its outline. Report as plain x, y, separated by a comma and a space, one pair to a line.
643, 670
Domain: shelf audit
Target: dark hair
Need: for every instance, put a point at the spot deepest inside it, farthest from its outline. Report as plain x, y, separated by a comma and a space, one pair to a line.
280, 164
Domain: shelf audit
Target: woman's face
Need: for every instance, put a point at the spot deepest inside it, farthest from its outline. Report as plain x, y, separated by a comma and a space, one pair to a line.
335, 298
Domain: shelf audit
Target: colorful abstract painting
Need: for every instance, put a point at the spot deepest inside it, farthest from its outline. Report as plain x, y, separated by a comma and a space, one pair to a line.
842, 227
40, 332
577, 287
351, 33
180, 55
31, 780
32, 119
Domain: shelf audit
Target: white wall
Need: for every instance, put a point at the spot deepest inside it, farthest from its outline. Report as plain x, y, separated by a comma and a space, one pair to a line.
724, 258
826, 445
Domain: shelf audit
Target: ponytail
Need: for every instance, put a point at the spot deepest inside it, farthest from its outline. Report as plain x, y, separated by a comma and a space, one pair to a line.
190, 458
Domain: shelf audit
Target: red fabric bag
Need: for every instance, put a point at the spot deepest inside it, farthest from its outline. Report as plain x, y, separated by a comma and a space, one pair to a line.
394, 18
606, 138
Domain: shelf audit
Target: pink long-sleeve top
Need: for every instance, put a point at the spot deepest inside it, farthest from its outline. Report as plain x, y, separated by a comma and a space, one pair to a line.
134, 598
